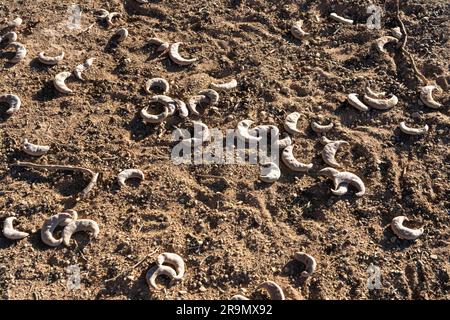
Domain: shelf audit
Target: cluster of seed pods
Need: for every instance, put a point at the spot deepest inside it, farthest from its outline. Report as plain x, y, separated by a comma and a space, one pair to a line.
68, 220
167, 264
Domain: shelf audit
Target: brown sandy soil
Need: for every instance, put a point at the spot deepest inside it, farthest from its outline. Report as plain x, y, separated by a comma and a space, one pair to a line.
238, 232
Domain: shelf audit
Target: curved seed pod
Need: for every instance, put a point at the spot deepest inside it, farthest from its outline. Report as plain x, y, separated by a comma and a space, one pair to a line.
381, 104
270, 172
15, 23
404, 232
344, 178
285, 142
174, 260
372, 94
129, 174
318, 128
21, 51
328, 172
111, 16
297, 30
77, 226
308, 261
157, 271
9, 37
154, 118
413, 131
337, 18
34, 149
426, 95
13, 101
211, 94
239, 297
54, 221
121, 34
10, 233
82, 67
162, 46
242, 131
51, 61
396, 32
382, 41
157, 82
352, 179
183, 111
274, 290
290, 124
194, 101
289, 160
329, 152
354, 101
224, 86
175, 56
102, 13
59, 82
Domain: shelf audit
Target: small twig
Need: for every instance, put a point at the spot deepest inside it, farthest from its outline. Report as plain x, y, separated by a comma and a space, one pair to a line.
403, 49
77, 248
213, 177
133, 267
87, 29
53, 167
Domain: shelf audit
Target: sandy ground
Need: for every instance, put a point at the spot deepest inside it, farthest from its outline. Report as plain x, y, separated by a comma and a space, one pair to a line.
233, 232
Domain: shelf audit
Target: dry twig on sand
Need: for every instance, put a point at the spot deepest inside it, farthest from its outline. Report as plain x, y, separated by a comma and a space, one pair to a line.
52, 167
405, 51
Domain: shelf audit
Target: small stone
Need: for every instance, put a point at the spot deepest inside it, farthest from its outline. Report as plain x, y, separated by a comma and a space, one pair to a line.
202, 289
433, 256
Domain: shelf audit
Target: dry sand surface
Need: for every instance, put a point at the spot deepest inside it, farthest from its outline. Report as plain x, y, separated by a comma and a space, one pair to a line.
232, 230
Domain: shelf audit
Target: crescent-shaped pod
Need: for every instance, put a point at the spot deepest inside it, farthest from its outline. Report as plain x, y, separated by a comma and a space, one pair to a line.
426, 95
404, 232
50, 61
13, 101
21, 51
129, 174
78, 226
34, 149
291, 162
59, 82
174, 260
156, 271
274, 290
290, 123
10, 233
176, 57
